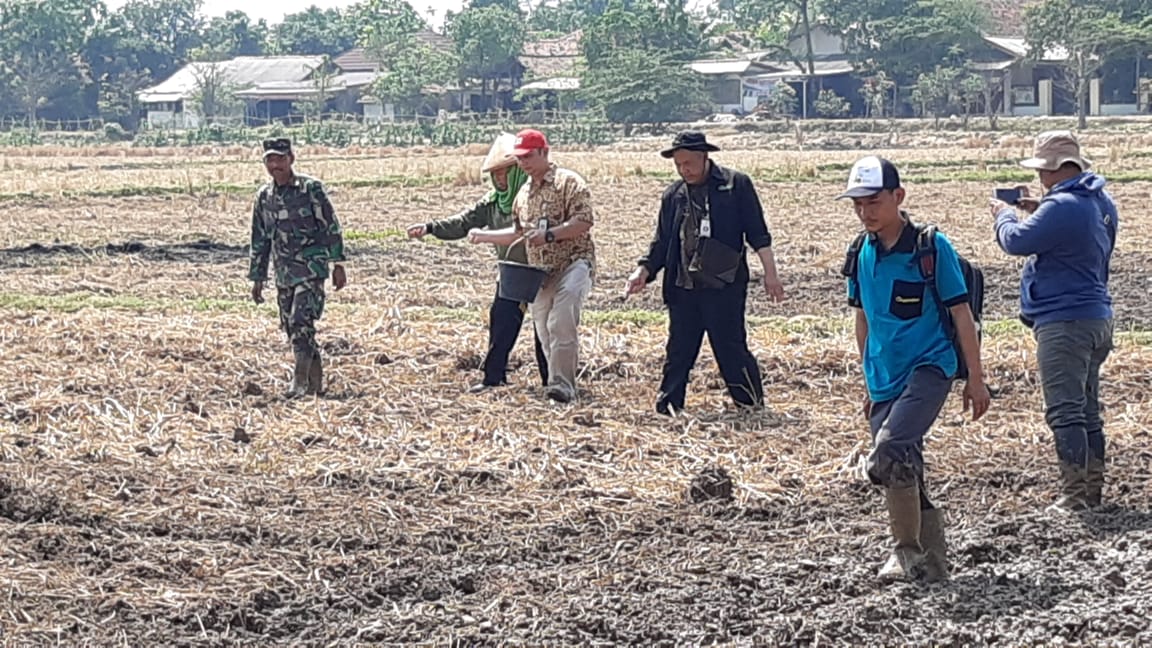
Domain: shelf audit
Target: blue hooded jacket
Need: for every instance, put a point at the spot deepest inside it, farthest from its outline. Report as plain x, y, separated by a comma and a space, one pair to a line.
1070, 239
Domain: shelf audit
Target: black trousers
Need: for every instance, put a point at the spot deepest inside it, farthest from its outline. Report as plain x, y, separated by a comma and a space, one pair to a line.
720, 314
505, 318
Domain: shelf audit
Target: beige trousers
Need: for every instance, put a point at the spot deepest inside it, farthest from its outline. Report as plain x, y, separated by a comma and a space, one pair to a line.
556, 316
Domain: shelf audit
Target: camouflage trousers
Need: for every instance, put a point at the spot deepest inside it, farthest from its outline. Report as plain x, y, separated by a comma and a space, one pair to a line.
300, 307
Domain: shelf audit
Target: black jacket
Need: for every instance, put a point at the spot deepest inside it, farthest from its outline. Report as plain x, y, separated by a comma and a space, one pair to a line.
737, 219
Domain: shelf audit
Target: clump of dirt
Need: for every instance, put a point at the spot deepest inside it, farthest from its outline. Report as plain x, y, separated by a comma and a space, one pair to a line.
711, 484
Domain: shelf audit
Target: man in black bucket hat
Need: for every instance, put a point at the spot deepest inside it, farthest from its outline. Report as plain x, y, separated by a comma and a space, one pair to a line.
689, 141
706, 219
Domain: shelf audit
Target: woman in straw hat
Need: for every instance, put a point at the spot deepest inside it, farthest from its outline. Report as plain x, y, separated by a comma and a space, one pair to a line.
493, 211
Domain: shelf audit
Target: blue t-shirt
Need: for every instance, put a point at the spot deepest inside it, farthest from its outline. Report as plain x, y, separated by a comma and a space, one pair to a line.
904, 325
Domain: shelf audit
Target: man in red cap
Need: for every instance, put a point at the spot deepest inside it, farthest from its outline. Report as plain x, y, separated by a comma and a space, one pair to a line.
553, 213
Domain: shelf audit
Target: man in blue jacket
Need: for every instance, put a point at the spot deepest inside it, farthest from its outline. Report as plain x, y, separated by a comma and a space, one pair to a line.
706, 219
1069, 237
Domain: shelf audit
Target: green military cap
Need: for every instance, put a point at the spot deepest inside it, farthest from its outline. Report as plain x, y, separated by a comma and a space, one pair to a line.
277, 146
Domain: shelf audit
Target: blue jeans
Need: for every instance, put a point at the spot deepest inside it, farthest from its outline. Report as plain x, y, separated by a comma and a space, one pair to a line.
1070, 355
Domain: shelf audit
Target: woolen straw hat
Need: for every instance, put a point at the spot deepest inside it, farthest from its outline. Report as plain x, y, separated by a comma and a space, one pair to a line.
500, 155
1053, 149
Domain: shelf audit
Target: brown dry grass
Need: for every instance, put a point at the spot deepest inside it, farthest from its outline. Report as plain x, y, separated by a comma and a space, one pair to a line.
155, 489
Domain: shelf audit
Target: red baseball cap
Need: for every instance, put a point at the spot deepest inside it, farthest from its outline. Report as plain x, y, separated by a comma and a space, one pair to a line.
529, 140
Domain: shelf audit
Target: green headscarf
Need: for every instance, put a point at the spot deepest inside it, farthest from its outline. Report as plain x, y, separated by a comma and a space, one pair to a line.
516, 179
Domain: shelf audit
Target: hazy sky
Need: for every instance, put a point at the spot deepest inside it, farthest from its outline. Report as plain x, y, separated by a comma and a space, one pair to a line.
274, 10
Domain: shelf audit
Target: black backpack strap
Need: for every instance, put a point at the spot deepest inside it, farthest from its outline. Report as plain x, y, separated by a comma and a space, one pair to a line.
852, 256
925, 256
926, 251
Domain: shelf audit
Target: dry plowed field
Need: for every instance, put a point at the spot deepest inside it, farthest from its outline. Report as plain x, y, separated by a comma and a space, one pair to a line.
155, 489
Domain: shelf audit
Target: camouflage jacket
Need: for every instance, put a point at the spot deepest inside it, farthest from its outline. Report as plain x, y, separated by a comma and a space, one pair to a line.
485, 214
297, 226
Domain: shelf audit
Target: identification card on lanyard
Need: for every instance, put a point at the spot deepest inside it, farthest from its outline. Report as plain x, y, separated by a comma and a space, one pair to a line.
542, 224
705, 219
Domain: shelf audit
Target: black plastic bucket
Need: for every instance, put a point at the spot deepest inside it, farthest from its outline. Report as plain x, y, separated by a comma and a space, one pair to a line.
519, 282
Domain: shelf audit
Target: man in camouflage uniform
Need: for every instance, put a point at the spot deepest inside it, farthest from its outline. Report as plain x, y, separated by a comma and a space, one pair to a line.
293, 221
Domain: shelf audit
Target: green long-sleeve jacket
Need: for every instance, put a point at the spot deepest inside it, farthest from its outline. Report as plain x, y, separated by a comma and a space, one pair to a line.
484, 214
297, 227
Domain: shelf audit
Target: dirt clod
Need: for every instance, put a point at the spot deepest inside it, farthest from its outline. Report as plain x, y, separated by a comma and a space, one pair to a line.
711, 484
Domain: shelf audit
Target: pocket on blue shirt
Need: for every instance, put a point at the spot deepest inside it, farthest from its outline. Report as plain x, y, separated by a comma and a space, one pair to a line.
907, 299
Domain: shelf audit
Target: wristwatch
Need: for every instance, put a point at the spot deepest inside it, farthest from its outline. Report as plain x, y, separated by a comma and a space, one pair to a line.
549, 236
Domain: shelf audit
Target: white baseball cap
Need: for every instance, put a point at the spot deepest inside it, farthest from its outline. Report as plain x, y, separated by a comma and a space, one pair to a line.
869, 176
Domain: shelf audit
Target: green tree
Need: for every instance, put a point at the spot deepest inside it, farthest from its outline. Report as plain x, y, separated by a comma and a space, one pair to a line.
385, 25
643, 86
948, 90
782, 101
235, 35
322, 82
660, 25
907, 38
213, 94
414, 77
315, 31
772, 24
409, 65
41, 51
830, 105
488, 40
1089, 33
565, 16
155, 35
635, 56
511, 6
969, 91
876, 91
138, 45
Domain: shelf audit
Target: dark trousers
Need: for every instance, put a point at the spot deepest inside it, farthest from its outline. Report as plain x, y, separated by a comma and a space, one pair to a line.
898, 429
1070, 355
505, 318
720, 314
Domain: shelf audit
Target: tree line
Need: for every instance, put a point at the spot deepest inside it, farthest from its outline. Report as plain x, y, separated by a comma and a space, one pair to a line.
77, 59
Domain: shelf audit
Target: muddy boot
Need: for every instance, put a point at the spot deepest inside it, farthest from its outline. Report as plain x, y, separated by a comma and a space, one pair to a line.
300, 375
1094, 482
906, 561
935, 548
1073, 489
316, 375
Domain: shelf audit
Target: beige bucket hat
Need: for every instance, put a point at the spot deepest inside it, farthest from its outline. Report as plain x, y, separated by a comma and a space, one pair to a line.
1053, 149
500, 155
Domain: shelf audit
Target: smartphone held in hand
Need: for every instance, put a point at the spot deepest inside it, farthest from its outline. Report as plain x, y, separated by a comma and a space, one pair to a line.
1010, 196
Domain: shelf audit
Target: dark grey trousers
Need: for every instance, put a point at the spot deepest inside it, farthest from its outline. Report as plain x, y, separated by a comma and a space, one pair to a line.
1070, 355
898, 429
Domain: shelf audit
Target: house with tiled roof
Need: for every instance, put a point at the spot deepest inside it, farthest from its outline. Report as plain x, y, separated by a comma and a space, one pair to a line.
552, 63
551, 70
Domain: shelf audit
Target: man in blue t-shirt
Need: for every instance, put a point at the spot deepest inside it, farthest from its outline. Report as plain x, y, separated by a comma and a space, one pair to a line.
1064, 298
909, 361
